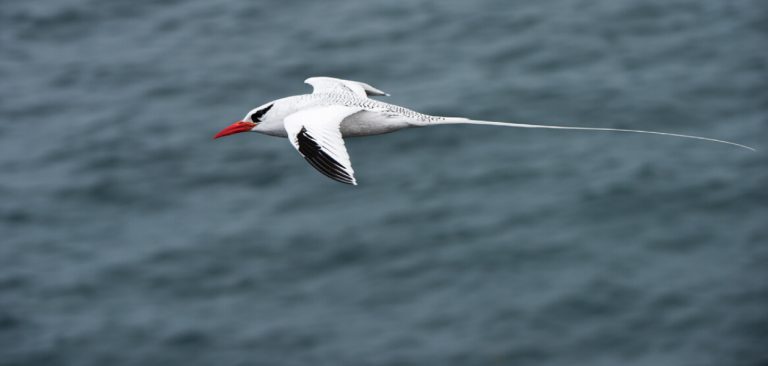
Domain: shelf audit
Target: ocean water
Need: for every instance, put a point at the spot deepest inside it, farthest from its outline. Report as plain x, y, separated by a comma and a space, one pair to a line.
129, 237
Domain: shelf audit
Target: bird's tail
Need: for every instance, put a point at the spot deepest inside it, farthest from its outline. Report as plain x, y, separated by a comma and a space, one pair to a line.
460, 120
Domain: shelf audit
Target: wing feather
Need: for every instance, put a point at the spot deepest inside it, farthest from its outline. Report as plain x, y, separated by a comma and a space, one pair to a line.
324, 84
316, 134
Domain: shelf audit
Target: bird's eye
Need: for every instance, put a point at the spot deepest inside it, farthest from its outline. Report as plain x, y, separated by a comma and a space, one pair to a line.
256, 116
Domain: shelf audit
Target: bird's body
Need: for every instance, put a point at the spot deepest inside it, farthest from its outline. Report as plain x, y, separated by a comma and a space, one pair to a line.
316, 123
373, 118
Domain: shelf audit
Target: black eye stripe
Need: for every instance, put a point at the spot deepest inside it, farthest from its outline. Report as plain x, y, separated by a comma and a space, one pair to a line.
256, 116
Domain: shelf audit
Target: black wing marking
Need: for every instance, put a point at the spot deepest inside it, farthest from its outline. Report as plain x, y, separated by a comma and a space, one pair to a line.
320, 160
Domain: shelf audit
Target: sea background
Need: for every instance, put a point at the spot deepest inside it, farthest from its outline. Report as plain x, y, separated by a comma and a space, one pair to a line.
129, 237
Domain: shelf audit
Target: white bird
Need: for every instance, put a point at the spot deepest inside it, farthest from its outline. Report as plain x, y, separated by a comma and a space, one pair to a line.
317, 123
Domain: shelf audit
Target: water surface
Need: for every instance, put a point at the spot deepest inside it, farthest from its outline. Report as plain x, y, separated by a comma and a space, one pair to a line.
129, 237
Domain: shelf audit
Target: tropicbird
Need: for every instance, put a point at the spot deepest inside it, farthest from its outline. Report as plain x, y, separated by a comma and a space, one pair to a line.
317, 123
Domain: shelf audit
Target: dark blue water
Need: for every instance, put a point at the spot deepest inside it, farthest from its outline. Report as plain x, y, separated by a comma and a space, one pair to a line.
130, 238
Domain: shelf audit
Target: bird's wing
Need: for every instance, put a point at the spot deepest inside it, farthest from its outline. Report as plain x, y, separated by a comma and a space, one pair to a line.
324, 84
316, 134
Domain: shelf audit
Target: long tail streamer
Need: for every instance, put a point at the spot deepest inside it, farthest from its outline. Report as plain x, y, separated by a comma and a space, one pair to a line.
459, 120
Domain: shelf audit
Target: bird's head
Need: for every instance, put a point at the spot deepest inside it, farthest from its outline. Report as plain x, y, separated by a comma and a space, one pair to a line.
249, 123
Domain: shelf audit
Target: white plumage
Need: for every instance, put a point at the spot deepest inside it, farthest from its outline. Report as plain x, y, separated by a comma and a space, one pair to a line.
317, 123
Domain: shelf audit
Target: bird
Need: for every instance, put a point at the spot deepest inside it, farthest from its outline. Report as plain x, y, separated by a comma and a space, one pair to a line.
317, 123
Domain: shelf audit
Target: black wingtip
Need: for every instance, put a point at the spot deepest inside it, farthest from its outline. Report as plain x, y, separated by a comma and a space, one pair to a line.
320, 160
